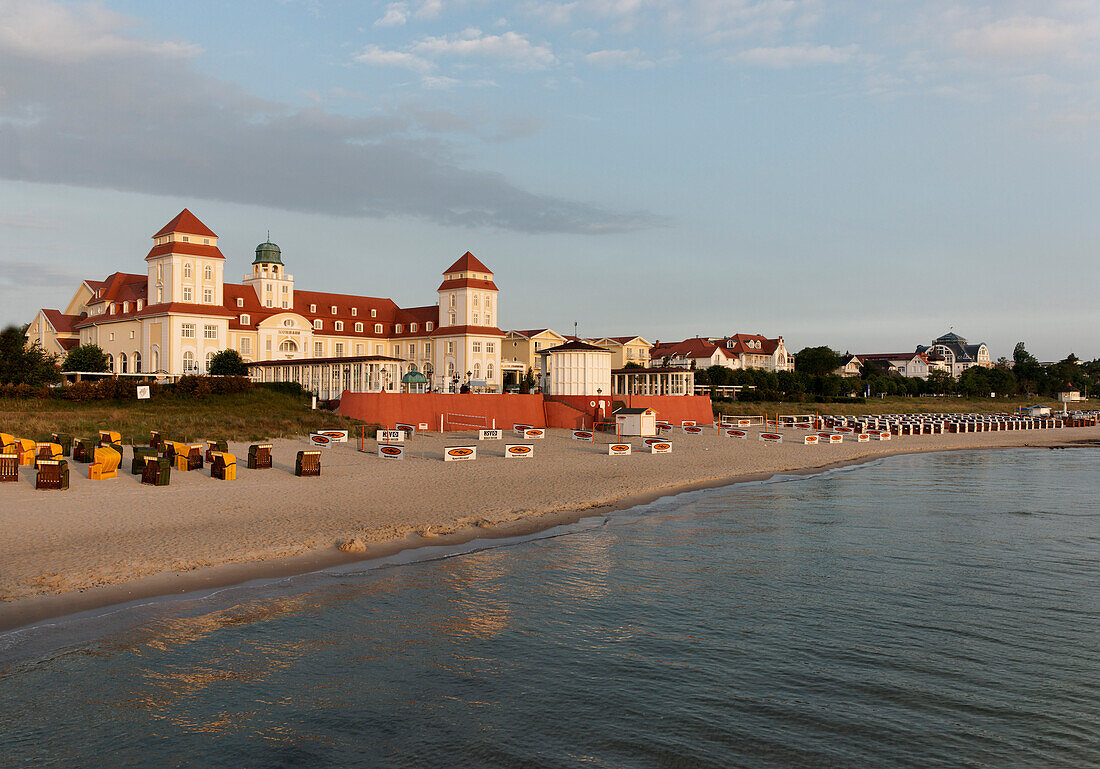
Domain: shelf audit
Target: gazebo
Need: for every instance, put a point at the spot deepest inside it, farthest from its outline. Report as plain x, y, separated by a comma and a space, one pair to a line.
414, 382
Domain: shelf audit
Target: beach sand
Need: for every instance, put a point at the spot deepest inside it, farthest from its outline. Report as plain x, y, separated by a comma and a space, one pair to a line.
107, 542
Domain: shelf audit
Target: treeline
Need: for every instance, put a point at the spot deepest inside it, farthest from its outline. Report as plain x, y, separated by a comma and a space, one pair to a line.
814, 377
111, 388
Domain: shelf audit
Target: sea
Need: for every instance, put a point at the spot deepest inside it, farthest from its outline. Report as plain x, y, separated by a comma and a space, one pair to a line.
928, 610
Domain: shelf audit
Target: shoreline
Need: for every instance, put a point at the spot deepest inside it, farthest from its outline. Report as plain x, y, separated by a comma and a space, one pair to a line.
26, 612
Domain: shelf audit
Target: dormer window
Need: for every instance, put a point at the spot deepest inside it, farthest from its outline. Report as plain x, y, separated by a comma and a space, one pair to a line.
125, 306
378, 328
339, 325
245, 320
317, 324
240, 301
333, 308
397, 328
429, 325
359, 328
374, 313
140, 304
313, 308
412, 328
354, 311
112, 308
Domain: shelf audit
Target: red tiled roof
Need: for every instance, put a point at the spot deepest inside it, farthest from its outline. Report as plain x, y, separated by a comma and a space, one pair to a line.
737, 343
68, 344
468, 263
179, 247
467, 283
186, 308
472, 330
689, 348
187, 223
119, 287
61, 322
533, 332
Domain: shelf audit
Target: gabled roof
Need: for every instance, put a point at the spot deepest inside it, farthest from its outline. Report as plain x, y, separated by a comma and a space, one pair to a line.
467, 283
119, 287
535, 332
575, 347
689, 348
468, 263
179, 247
187, 223
62, 323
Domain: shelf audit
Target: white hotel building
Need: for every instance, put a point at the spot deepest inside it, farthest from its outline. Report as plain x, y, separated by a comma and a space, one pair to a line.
175, 317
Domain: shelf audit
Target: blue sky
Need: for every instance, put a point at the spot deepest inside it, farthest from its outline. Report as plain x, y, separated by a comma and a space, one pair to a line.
853, 174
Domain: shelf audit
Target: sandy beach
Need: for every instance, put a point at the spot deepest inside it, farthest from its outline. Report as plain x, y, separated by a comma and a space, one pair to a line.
107, 542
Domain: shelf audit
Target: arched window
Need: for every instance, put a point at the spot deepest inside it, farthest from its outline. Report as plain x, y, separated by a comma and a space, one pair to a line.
156, 360
475, 300
288, 346
137, 362
208, 272
122, 363
110, 363
489, 371
209, 360
187, 270
477, 371
189, 362
451, 369
452, 318
452, 300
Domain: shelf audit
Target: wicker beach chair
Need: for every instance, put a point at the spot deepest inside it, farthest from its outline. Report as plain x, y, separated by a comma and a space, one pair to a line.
65, 441
214, 446
7, 443
307, 463
154, 439
105, 465
157, 471
141, 453
224, 466
27, 451
83, 449
46, 450
259, 456
52, 474
188, 456
9, 467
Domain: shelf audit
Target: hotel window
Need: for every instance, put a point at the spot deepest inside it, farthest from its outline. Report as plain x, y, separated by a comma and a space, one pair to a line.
358, 328
187, 331
452, 300
477, 371
267, 346
354, 311
209, 359
245, 320
488, 319
186, 239
288, 323
378, 328
112, 308
187, 293
489, 371
318, 349
429, 325
246, 347
209, 332
490, 347
160, 294
208, 296
131, 334
160, 272
267, 287
206, 241
313, 308
317, 324
268, 303
397, 328
286, 305
475, 300
412, 328
397, 351
339, 325
333, 308
188, 362
378, 349
140, 304
187, 270
360, 349
125, 306
428, 349
412, 351
286, 289
240, 301
476, 319
339, 349
477, 346
374, 313
488, 302
208, 272
450, 348
111, 337
451, 317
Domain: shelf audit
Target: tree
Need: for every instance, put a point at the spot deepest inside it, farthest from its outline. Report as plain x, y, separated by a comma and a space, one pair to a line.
228, 363
1029, 373
86, 358
940, 383
818, 361
528, 383
23, 364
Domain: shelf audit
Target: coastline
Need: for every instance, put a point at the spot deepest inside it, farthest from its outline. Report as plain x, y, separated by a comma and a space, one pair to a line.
30, 610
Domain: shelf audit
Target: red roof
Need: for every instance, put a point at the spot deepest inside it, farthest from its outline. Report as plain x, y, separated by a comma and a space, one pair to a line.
119, 287
737, 343
61, 322
179, 247
468, 263
578, 346
467, 283
68, 344
187, 223
472, 330
689, 348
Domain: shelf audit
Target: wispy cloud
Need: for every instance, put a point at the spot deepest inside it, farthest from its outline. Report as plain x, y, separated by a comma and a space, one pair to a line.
612, 57
383, 57
785, 56
508, 46
395, 15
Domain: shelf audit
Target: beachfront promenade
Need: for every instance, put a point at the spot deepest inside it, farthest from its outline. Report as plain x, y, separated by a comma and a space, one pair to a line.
198, 531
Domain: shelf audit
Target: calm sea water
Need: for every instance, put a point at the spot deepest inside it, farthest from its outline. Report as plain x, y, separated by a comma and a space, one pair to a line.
924, 611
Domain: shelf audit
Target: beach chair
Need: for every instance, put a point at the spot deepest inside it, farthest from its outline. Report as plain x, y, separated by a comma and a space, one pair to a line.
26, 449
259, 456
65, 441
154, 439
108, 437
307, 463
7, 443
83, 449
141, 453
188, 457
224, 466
157, 471
47, 451
9, 467
214, 446
105, 465
52, 474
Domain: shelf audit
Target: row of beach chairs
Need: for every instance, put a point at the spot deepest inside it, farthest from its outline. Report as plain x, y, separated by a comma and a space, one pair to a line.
154, 463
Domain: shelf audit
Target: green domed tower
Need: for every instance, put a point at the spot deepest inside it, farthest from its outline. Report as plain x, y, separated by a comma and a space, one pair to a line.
268, 253
274, 287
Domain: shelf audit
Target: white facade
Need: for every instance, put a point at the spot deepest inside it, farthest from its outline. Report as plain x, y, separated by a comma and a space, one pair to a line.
576, 368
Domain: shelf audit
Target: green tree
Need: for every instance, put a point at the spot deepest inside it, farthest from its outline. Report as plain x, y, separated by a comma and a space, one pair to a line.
21, 363
86, 358
1029, 373
818, 361
940, 383
528, 383
228, 363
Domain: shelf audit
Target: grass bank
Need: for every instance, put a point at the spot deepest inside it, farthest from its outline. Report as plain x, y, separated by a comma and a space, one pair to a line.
259, 414
895, 406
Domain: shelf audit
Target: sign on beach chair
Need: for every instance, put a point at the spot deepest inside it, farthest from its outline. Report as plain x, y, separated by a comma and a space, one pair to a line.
735, 434
771, 438
863, 438
336, 436
534, 433
584, 435
386, 451
490, 435
691, 429
810, 440
459, 453
410, 430
518, 429
660, 447
518, 451
618, 449
157, 471
391, 436
835, 438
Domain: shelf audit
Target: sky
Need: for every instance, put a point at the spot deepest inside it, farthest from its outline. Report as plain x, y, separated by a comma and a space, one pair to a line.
860, 175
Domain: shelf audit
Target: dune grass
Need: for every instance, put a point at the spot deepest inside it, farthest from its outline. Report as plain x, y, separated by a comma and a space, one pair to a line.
259, 414
897, 406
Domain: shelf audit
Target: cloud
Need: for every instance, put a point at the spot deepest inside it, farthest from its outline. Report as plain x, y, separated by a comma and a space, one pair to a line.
133, 115
376, 56
396, 14
429, 9
507, 46
785, 56
1025, 36
618, 58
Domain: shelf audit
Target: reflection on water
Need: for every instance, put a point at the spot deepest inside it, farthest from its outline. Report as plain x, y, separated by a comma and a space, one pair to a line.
934, 610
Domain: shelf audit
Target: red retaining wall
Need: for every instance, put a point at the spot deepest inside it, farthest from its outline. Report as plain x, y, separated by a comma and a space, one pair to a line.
670, 408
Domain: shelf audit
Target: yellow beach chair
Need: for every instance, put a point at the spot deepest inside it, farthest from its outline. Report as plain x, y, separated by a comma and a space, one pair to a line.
109, 436
105, 465
224, 466
46, 450
7, 443
26, 449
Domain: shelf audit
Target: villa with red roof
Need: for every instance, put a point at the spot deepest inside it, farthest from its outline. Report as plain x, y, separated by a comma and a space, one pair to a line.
738, 351
175, 317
